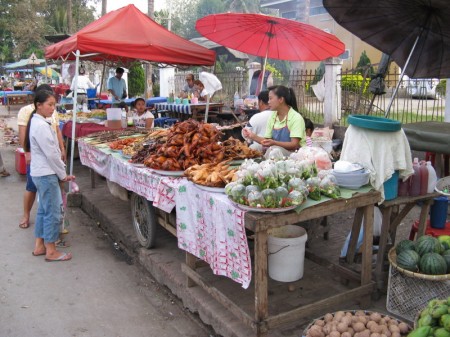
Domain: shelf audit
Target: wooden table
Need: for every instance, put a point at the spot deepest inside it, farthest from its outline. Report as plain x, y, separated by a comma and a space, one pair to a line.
15, 97
261, 224
184, 110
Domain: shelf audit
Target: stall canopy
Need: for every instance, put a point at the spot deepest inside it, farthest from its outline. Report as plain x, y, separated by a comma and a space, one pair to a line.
22, 63
128, 34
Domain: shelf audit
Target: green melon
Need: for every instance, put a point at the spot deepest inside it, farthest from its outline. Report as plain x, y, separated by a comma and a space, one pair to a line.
404, 245
408, 259
428, 244
432, 264
446, 256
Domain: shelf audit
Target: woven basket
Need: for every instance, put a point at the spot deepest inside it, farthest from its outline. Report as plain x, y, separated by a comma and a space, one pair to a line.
353, 312
407, 296
443, 186
393, 260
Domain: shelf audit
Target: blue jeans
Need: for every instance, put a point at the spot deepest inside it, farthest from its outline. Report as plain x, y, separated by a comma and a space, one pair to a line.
48, 217
30, 187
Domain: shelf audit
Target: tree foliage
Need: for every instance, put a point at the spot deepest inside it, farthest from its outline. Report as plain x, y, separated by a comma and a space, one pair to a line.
363, 63
25, 23
136, 80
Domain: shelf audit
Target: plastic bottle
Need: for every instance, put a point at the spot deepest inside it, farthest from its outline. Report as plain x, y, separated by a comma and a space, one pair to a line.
124, 118
423, 177
403, 187
414, 189
236, 98
432, 177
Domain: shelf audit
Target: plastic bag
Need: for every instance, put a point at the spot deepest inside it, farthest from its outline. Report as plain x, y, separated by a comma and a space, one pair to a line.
377, 222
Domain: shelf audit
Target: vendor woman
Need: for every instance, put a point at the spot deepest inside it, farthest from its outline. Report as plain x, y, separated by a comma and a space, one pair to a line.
285, 131
200, 92
142, 118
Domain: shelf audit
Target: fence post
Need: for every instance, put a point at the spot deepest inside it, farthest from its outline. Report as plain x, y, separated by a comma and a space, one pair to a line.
332, 101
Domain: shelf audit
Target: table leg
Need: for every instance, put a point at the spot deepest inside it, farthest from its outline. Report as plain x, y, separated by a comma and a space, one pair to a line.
385, 228
366, 264
354, 235
423, 217
261, 275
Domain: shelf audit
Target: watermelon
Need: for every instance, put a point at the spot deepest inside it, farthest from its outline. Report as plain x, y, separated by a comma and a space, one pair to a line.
432, 264
445, 241
428, 244
408, 259
404, 245
446, 256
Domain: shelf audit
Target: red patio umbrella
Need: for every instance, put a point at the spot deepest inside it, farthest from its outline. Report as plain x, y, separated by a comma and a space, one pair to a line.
270, 37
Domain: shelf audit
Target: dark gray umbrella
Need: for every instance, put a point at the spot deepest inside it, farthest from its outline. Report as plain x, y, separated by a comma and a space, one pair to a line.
415, 29
415, 33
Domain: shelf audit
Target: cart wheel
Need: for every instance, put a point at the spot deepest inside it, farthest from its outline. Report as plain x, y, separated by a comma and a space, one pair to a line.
144, 221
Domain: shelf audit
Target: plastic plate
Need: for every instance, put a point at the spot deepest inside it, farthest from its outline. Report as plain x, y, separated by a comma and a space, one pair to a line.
211, 189
169, 173
375, 123
262, 210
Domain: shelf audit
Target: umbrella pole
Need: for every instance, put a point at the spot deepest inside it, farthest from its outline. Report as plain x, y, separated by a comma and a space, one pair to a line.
386, 115
264, 69
207, 108
74, 114
103, 76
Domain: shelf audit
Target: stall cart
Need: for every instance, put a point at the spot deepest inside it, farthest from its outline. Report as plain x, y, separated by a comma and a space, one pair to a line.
154, 199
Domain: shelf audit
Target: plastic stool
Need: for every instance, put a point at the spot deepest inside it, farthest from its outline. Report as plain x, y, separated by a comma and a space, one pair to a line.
429, 230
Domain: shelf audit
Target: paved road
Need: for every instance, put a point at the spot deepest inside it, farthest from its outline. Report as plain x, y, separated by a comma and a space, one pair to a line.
97, 293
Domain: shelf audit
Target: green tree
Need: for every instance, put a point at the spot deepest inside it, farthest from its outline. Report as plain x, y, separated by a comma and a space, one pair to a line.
363, 64
243, 6
24, 23
136, 80
207, 7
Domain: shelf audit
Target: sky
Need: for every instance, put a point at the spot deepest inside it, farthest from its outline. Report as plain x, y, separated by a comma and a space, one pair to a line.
140, 4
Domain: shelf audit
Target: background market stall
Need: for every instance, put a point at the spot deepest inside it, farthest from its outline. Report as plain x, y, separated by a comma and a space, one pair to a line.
113, 39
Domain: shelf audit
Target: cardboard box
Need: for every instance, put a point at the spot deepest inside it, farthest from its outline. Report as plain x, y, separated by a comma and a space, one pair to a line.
21, 163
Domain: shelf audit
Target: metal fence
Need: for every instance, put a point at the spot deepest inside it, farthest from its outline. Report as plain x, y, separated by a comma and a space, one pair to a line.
416, 100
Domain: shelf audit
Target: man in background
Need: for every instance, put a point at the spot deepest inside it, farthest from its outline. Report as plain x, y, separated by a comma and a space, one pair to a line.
258, 122
117, 86
189, 88
83, 84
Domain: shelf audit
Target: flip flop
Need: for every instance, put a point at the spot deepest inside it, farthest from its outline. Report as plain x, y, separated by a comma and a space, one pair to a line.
40, 254
63, 257
62, 244
24, 225
4, 174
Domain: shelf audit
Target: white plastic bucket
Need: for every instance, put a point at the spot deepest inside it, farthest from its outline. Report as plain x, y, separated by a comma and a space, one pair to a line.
286, 247
114, 114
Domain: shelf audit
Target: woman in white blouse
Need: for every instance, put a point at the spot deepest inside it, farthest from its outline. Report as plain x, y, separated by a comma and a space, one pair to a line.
48, 171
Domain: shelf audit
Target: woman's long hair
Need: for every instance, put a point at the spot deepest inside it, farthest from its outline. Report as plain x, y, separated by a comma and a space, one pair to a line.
41, 96
287, 93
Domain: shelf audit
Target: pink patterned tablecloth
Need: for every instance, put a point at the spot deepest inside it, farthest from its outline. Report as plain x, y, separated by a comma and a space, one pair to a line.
208, 225
142, 181
212, 229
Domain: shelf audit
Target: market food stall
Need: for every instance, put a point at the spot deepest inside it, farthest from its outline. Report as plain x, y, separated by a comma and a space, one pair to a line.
112, 39
196, 208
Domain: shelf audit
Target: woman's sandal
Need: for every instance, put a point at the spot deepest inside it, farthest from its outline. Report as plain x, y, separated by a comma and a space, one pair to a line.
4, 173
